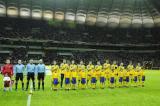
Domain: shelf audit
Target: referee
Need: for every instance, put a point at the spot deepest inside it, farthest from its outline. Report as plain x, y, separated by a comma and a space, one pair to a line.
18, 72
31, 69
41, 73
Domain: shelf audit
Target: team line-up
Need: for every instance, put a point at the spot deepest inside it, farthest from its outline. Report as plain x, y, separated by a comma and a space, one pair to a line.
73, 76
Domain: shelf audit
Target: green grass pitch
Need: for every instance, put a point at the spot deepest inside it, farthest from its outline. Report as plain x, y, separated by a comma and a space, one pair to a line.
146, 96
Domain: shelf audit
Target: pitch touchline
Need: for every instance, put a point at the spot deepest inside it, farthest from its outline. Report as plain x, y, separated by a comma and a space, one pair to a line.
30, 95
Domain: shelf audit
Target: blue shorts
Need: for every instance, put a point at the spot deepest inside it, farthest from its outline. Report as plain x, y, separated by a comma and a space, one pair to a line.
74, 81
93, 80
83, 81
135, 79
112, 80
55, 81
67, 80
143, 78
120, 79
102, 79
127, 79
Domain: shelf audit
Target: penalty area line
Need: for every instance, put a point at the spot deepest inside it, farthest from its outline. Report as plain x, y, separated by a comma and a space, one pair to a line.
30, 95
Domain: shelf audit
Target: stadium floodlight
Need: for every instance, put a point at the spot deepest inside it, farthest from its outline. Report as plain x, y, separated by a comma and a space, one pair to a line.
25, 11
91, 18
12, 11
70, 15
80, 16
148, 22
47, 14
137, 21
126, 19
2, 9
102, 18
36, 12
114, 18
59, 15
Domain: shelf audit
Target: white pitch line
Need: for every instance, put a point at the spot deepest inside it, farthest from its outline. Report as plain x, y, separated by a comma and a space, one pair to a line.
30, 95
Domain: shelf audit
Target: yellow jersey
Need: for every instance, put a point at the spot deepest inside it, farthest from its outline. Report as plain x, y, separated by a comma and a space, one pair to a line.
81, 67
74, 74
55, 75
130, 67
106, 66
83, 74
73, 67
90, 67
93, 74
114, 66
102, 74
126, 73
107, 73
64, 67
112, 74
120, 74
98, 67
67, 74
54, 68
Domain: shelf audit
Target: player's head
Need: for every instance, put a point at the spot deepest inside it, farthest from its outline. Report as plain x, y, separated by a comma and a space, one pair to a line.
98, 63
107, 61
90, 62
8, 61
19, 61
114, 62
64, 61
81, 62
72, 61
40, 61
54, 62
31, 61
130, 62
121, 64
139, 64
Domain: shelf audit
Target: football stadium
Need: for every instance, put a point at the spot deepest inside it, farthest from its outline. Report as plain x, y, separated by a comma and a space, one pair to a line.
79, 52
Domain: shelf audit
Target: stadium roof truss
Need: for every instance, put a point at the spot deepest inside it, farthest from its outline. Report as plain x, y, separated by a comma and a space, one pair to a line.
111, 13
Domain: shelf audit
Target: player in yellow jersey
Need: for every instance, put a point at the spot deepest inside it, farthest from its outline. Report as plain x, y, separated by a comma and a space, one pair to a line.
81, 67
102, 78
93, 75
83, 77
63, 67
141, 76
120, 75
130, 69
107, 68
114, 66
89, 67
55, 67
126, 78
55, 76
112, 78
67, 76
98, 69
135, 77
73, 69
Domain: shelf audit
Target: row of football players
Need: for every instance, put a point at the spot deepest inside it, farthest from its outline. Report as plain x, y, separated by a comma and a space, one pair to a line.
81, 76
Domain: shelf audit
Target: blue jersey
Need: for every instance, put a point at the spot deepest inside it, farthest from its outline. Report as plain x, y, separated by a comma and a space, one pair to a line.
41, 68
19, 68
31, 68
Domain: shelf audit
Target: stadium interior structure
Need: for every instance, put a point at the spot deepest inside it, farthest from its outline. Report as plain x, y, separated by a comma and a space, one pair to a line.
120, 30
